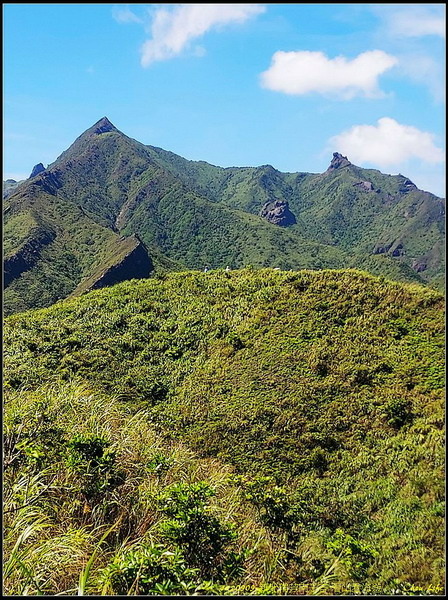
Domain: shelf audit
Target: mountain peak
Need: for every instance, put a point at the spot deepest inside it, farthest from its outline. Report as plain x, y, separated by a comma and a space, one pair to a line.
103, 126
36, 170
337, 162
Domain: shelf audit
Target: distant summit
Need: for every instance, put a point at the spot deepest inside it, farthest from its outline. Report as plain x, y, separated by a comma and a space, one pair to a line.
338, 162
85, 140
36, 170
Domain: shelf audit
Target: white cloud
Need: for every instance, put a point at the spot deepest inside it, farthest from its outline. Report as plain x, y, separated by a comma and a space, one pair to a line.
304, 72
417, 34
173, 29
414, 20
125, 15
388, 143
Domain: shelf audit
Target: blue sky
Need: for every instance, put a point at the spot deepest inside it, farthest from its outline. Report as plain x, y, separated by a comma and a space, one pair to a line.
231, 84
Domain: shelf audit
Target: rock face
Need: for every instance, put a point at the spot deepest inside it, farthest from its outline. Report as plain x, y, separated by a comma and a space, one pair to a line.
49, 181
338, 162
278, 213
36, 170
103, 126
364, 186
407, 186
419, 265
9, 187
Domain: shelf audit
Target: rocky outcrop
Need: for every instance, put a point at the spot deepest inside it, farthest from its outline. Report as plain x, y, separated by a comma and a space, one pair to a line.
36, 170
27, 256
419, 264
407, 186
103, 126
338, 162
9, 187
364, 186
136, 264
277, 212
398, 250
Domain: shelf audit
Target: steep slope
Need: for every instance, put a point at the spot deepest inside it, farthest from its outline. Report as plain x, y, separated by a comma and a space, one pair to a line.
312, 401
107, 188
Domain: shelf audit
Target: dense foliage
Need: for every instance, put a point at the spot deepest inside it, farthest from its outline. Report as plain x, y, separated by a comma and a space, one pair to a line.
246, 432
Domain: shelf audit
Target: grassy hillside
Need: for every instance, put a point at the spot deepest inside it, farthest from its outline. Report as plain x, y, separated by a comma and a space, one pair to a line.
189, 214
245, 432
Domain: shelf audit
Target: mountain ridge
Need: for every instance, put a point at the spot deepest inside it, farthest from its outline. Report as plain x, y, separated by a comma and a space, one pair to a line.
107, 186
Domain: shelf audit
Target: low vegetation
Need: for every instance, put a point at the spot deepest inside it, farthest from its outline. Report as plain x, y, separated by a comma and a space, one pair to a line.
252, 432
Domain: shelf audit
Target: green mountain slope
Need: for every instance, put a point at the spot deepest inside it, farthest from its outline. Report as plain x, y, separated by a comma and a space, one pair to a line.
108, 188
310, 402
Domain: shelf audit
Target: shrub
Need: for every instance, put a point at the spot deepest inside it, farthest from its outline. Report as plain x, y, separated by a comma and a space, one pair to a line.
150, 570
33, 439
356, 555
159, 464
92, 459
199, 533
235, 341
271, 501
398, 412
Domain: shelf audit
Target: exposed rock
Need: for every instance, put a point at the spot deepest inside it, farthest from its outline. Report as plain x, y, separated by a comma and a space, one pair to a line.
36, 170
365, 186
277, 212
398, 250
419, 265
407, 186
382, 249
338, 162
9, 186
103, 126
137, 264
389, 198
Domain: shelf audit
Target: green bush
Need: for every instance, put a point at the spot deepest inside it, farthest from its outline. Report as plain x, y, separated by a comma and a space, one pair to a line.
235, 341
199, 533
398, 412
159, 464
274, 507
151, 570
356, 555
92, 459
33, 439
